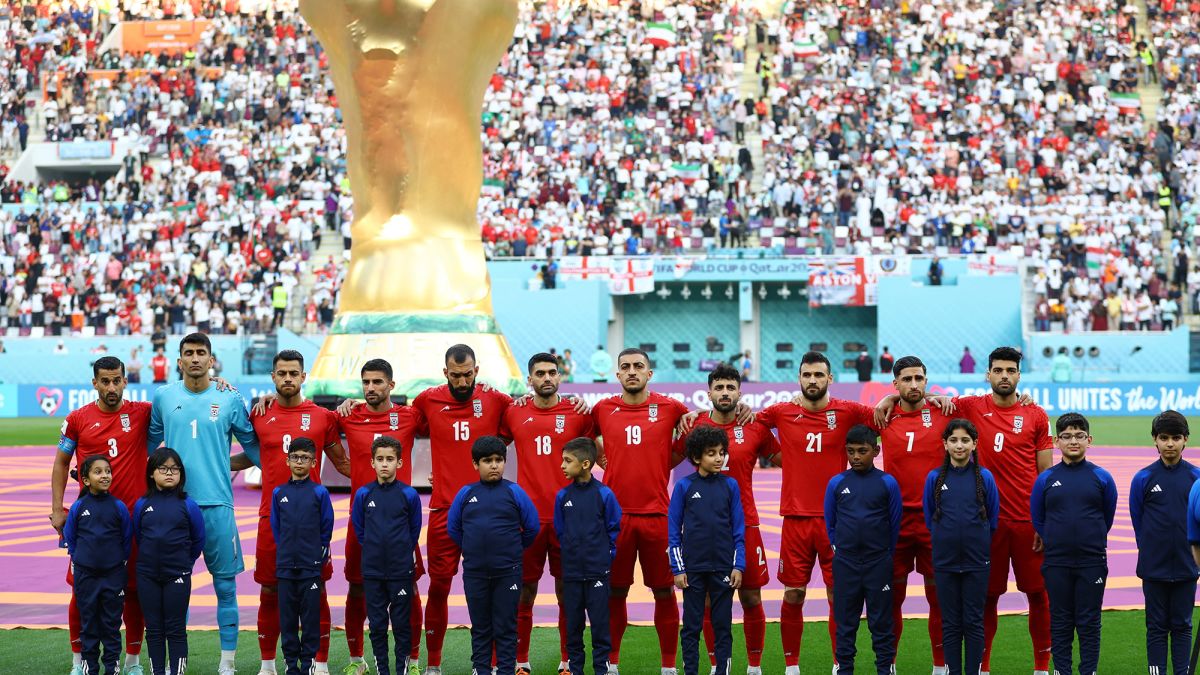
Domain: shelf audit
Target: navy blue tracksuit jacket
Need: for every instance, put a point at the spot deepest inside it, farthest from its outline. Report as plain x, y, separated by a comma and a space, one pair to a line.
493, 523
1072, 508
99, 534
1158, 504
862, 517
587, 520
298, 507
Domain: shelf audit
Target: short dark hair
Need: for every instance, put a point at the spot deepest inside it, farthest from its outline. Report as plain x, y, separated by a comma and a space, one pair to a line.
459, 354
702, 438
629, 351
386, 442
1069, 420
157, 459
196, 339
810, 358
303, 444
582, 449
907, 362
1004, 354
107, 363
377, 366
1169, 422
861, 434
487, 446
724, 371
541, 357
288, 355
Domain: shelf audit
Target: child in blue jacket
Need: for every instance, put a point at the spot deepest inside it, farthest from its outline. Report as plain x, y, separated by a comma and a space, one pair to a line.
386, 516
587, 521
302, 522
962, 510
99, 534
706, 546
493, 521
169, 529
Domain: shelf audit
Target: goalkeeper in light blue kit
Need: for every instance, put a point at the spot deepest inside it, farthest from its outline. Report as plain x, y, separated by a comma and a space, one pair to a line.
197, 419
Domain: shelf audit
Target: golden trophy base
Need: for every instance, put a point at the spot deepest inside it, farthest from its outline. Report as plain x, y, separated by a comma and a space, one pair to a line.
414, 343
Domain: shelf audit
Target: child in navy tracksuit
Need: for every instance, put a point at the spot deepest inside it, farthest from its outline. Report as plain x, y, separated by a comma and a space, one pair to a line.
862, 516
706, 545
962, 509
493, 521
169, 529
1158, 498
98, 534
1072, 508
386, 515
587, 521
299, 507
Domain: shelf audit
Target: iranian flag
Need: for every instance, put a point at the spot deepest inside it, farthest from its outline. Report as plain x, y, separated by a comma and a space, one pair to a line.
660, 34
493, 187
687, 172
1129, 103
806, 48
1095, 260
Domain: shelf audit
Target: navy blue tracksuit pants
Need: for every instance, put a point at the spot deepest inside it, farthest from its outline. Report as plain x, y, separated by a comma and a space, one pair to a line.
300, 622
1076, 597
961, 596
492, 605
165, 607
389, 600
714, 587
1169, 613
591, 598
853, 585
100, 596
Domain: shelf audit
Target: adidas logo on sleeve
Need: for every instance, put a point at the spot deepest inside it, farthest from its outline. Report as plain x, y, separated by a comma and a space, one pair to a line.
472, 500
371, 504
1156, 488
845, 491
151, 508
284, 500
695, 495
1056, 484
568, 504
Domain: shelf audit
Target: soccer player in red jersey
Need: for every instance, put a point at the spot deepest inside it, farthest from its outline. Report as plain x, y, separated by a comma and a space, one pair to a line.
747, 444
455, 413
116, 428
290, 418
912, 447
362, 424
813, 436
637, 429
1015, 445
539, 431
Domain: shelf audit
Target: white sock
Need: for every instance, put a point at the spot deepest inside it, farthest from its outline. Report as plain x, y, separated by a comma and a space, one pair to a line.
268, 666
562, 665
76, 659
228, 656
132, 660
1041, 672
320, 667
524, 665
612, 669
792, 670
753, 670
669, 671
940, 670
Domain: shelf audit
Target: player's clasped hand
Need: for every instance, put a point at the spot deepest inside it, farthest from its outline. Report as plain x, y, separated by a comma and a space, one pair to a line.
681, 581
735, 579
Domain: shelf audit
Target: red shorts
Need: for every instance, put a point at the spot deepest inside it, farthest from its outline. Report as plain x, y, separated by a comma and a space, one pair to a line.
441, 550
1013, 542
756, 575
914, 549
534, 562
353, 565
804, 542
264, 556
131, 566
644, 537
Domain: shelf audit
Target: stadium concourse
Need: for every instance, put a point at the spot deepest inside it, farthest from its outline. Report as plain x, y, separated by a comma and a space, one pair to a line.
1065, 133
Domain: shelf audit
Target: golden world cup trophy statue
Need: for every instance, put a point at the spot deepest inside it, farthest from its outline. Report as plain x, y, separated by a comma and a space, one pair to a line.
410, 77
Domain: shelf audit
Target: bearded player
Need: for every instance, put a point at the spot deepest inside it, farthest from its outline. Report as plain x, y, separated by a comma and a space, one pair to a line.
291, 417
539, 430
812, 432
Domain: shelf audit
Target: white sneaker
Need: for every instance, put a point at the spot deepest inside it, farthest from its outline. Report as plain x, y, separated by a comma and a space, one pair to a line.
77, 669
612, 669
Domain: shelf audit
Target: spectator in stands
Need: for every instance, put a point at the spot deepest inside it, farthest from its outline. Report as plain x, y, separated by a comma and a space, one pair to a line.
1060, 366
935, 272
864, 366
886, 361
133, 369
966, 364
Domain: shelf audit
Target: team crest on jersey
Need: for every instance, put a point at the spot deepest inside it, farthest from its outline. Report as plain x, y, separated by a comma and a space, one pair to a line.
1018, 424
125, 426
560, 423
926, 418
305, 421
477, 407
394, 420
653, 412
214, 411
739, 435
831, 419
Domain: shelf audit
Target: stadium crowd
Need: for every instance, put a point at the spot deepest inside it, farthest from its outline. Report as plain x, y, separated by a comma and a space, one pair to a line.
884, 128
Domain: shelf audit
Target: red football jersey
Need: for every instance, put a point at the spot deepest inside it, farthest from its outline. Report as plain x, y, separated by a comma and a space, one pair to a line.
1009, 440
746, 444
912, 447
276, 428
362, 427
121, 436
453, 427
814, 450
637, 445
539, 436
